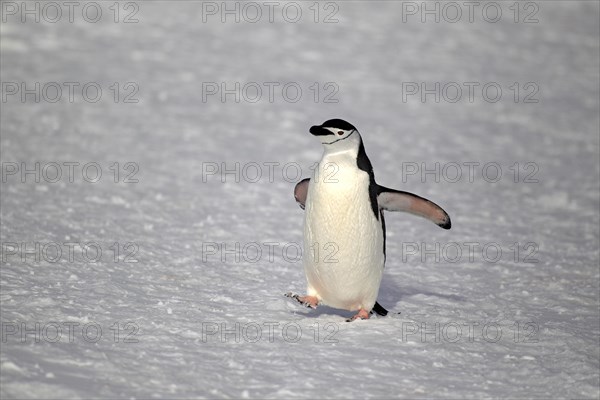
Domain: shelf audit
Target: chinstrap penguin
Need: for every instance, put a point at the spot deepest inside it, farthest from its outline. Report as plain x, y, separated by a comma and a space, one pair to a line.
344, 227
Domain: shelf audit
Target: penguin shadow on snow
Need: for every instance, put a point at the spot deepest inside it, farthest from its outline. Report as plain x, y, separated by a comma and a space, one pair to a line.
327, 311
390, 297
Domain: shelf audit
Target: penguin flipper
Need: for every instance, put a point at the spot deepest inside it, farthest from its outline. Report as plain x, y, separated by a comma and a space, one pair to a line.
301, 191
396, 200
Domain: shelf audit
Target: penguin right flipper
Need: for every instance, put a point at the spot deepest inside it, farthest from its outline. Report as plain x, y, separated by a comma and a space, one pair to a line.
300, 192
396, 200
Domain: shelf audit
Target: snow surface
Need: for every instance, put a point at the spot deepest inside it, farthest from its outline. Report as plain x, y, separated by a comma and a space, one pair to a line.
528, 329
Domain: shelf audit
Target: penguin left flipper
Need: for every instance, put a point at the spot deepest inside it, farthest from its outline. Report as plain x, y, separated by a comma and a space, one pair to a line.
396, 200
301, 191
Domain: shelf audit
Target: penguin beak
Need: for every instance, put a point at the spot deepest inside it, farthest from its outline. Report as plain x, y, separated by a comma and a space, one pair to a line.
319, 131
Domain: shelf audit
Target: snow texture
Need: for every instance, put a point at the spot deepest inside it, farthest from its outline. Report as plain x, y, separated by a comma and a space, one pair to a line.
198, 317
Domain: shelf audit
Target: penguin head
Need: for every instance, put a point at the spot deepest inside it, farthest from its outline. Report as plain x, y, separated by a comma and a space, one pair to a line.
336, 133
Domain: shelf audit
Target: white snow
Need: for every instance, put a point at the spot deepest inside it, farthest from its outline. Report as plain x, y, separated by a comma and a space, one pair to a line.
198, 317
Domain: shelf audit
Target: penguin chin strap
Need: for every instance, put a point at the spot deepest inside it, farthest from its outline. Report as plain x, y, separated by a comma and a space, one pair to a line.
335, 141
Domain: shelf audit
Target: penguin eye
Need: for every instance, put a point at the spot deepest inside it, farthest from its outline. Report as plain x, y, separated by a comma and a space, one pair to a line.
340, 132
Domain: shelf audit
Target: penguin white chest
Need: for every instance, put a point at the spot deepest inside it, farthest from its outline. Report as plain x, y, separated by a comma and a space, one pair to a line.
343, 237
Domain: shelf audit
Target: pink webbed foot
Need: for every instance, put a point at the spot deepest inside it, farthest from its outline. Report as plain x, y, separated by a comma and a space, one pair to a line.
307, 301
362, 314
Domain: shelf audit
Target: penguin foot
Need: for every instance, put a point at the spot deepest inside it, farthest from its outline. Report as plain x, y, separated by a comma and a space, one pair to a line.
307, 301
362, 314
379, 310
